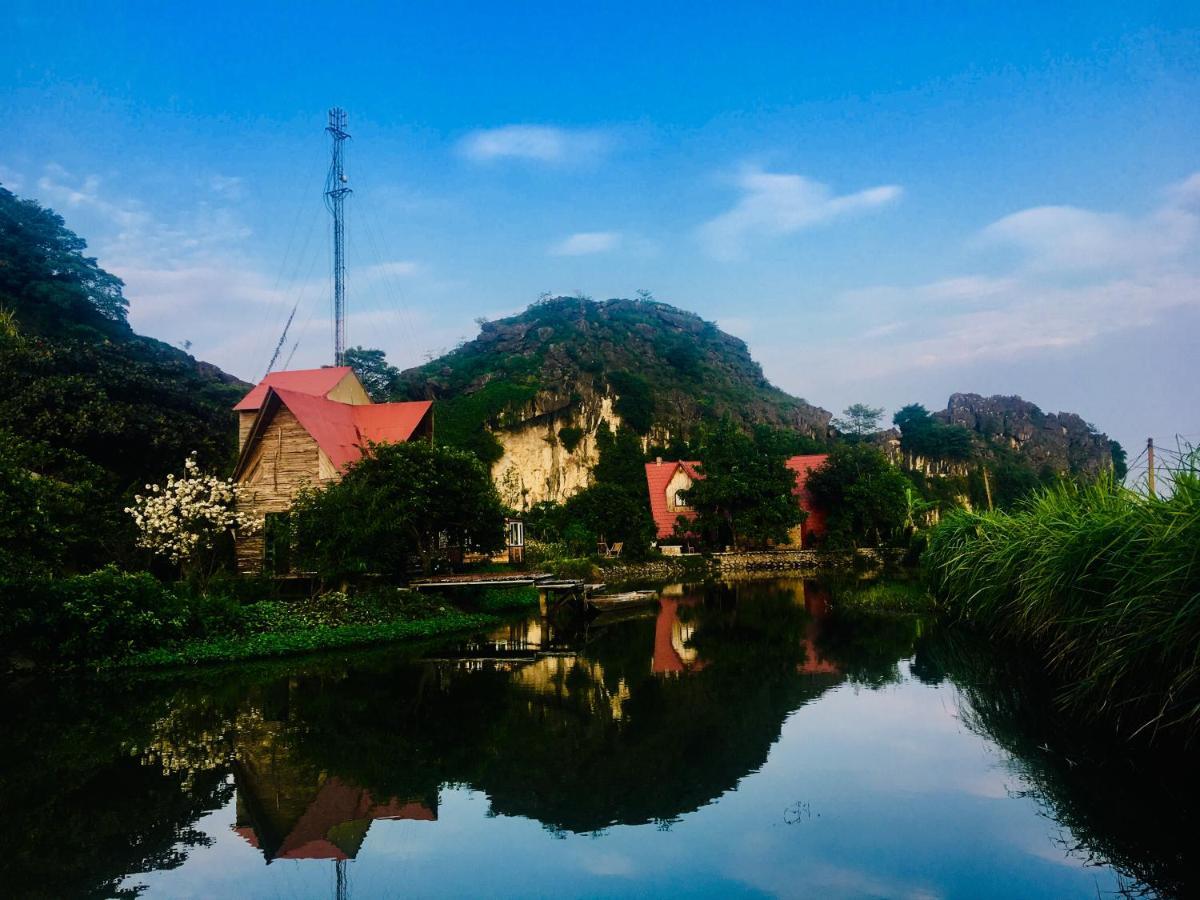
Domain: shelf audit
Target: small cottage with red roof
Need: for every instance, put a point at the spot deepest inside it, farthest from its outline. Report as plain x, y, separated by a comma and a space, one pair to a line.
669, 481
303, 428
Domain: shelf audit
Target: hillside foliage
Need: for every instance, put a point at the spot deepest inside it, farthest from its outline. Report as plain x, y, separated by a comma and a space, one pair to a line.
90, 410
667, 369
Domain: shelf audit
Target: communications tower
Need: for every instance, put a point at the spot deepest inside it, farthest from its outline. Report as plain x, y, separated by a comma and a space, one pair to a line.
336, 191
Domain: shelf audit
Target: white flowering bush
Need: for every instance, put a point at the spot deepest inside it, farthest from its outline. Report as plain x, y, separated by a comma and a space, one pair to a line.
186, 515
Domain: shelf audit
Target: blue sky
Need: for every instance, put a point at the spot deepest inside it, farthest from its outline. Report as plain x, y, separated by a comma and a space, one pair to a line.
887, 203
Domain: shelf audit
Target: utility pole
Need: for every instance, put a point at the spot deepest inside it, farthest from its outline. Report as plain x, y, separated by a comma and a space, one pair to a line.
1150, 464
335, 195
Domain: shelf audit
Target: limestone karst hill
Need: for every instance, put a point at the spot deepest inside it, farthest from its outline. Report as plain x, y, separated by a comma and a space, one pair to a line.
530, 391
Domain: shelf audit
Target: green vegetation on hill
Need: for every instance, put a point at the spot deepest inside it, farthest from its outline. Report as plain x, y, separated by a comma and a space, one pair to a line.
666, 368
89, 411
992, 452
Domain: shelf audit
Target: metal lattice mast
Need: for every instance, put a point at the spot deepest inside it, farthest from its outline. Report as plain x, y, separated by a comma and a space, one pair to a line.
335, 196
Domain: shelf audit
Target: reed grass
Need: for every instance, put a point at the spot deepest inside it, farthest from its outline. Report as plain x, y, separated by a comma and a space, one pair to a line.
1103, 580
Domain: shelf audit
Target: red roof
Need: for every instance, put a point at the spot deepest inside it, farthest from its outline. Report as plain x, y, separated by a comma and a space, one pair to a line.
314, 382
343, 429
337, 803
659, 475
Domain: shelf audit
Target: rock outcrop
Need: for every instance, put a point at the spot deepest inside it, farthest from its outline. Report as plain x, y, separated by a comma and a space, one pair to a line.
1062, 442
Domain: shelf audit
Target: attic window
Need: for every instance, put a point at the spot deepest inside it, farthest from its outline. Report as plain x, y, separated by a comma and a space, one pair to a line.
681, 499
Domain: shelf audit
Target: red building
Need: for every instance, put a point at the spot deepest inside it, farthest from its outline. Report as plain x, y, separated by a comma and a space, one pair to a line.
668, 481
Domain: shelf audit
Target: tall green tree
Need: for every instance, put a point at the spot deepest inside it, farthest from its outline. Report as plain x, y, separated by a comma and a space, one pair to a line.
747, 494
923, 435
378, 377
45, 279
615, 507
865, 497
399, 500
860, 420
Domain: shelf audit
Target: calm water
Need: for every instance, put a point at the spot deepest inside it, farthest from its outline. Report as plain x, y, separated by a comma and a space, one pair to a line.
737, 740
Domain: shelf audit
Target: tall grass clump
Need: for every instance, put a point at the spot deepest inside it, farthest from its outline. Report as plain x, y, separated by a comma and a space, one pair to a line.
1102, 580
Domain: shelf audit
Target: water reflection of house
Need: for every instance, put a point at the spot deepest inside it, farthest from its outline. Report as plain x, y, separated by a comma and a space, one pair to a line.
673, 654
816, 604
674, 628
288, 807
332, 825
668, 483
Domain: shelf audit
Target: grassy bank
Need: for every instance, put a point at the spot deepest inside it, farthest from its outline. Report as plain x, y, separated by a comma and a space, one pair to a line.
301, 639
1103, 581
110, 620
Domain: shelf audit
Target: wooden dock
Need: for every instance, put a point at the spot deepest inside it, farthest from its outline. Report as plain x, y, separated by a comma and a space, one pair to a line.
585, 596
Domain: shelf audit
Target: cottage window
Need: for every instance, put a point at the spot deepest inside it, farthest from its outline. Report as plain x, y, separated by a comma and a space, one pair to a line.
681, 500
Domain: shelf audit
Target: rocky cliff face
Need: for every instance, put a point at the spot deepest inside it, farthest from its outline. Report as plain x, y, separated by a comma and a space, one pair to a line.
1062, 441
530, 391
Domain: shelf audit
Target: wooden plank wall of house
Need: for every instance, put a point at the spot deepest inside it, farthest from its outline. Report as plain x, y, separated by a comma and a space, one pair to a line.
286, 459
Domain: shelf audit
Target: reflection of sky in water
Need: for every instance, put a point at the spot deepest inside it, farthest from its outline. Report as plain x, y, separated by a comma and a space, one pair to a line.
867, 792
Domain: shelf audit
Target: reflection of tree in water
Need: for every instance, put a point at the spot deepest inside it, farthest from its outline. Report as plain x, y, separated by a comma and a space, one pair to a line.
81, 812
577, 743
1125, 805
109, 782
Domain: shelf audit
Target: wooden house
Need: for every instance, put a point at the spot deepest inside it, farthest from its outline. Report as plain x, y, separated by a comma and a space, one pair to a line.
303, 428
668, 483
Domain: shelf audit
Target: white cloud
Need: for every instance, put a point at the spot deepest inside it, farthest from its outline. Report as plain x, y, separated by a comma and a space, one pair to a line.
774, 204
1025, 316
540, 143
1125, 272
584, 242
1067, 238
1186, 192
229, 186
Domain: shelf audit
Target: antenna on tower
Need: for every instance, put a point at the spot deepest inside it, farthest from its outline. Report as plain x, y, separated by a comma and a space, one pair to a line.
335, 195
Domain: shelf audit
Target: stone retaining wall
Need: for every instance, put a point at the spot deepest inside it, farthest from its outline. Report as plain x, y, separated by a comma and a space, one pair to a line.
697, 566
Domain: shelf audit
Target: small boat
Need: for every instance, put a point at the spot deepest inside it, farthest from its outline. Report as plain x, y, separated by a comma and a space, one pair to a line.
623, 600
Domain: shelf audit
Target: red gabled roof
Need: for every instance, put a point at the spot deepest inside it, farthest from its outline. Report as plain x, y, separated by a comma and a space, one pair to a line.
658, 476
343, 429
337, 803
314, 382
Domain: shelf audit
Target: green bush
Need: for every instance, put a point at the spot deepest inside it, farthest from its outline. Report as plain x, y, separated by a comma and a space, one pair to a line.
1101, 580
864, 496
106, 613
574, 567
570, 436
397, 501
